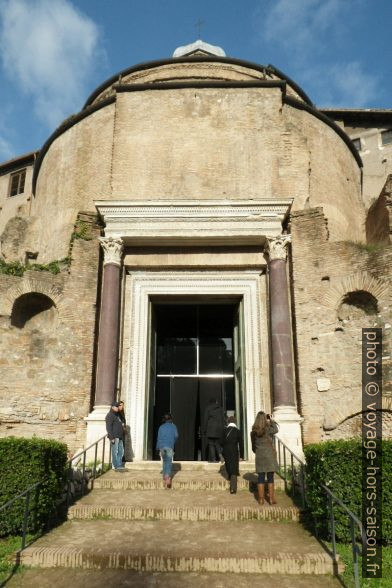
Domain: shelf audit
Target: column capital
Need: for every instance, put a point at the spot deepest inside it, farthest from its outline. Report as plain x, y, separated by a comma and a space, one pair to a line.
276, 247
112, 249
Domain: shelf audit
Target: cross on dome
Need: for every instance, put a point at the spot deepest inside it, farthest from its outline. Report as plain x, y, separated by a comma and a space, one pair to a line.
199, 46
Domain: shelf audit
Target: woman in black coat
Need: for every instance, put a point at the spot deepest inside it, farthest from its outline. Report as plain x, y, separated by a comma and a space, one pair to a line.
232, 449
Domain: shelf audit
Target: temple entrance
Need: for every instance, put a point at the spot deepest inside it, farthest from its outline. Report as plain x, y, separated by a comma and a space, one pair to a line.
195, 357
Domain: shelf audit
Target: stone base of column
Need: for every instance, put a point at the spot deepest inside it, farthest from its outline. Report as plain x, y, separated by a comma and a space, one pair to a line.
289, 422
96, 428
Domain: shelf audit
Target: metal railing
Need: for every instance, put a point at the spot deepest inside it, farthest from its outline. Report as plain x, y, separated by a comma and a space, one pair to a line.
293, 471
353, 521
27, 495
86, 483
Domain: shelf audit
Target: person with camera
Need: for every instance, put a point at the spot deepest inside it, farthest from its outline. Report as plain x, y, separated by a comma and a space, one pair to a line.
263, 430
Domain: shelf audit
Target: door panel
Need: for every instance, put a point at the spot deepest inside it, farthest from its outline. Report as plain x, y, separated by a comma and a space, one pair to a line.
183, 409
239, 371
209, 388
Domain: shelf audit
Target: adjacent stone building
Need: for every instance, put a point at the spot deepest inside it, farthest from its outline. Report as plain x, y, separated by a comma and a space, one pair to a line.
199, 230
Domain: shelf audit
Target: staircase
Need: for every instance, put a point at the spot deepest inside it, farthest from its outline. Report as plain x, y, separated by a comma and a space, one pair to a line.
129, 531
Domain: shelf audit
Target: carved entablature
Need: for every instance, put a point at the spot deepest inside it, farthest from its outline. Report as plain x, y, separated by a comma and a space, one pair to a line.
194, 222
112, 249
276, 247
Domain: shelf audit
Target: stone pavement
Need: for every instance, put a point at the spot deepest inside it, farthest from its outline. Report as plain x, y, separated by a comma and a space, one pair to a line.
136, 533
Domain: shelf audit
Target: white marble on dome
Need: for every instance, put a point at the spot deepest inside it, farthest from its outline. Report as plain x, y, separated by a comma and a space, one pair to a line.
201, 46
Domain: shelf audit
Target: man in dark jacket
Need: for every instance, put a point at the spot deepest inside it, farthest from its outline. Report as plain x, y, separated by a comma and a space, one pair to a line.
115, 430
214, 422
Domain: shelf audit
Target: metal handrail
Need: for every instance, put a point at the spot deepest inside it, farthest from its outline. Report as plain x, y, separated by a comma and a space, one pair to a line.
94, 474
297, 480
27, 493
353, 521
331, 498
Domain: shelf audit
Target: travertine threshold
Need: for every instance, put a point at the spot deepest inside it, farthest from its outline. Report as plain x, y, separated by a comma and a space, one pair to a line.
182, 506
182, 480
84, 578
149, 546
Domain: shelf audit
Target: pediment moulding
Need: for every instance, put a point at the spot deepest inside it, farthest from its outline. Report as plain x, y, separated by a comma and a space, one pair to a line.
194, 221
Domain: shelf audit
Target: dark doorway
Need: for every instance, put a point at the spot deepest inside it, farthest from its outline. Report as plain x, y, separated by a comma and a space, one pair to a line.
194, 362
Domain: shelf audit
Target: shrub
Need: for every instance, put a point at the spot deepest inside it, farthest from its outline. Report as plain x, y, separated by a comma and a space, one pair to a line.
22, 463
338, 465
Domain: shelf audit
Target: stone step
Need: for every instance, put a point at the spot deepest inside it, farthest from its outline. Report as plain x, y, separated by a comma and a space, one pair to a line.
84, 578
182, 480
181, 506
171, 546
193, 466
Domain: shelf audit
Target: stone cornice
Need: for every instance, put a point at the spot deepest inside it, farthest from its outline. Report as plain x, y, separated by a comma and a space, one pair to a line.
194, 221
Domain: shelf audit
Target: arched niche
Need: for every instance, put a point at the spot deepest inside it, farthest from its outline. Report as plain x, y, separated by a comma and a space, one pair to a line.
33, 310
357, 304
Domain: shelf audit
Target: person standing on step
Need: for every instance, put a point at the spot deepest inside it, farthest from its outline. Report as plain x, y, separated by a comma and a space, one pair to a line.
263, 430
166, 440
115, 431
213, 425
232, 449
121, 414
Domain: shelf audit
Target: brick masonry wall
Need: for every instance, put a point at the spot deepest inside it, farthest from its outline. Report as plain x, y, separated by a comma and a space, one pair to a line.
47, 366
328, 335
379, 217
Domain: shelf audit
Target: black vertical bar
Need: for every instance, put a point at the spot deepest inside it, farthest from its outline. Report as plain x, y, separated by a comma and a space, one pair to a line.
84, 471
25, 519
69, 483
355, 554
103, 454
95, 465
332, 520
302, 484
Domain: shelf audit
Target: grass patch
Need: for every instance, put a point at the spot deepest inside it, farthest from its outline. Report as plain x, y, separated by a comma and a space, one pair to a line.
15, 268
344, 550
8, 547
368, 247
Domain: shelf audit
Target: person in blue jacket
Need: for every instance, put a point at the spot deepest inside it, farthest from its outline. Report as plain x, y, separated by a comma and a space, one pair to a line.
166, 440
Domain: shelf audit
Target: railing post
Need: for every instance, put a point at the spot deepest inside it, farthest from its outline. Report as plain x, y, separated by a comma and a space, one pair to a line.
83, 473
95, 466
25, 519
302, 484
69, 483
332, 521
355, 554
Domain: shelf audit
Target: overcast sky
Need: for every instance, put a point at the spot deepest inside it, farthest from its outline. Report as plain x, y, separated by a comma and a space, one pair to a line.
55, 52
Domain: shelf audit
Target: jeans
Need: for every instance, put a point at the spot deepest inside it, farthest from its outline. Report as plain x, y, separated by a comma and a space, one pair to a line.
117, 453
167, 458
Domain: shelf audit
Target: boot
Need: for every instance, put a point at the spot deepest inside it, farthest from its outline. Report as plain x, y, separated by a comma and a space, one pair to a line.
233, 484
260, 492
271, 493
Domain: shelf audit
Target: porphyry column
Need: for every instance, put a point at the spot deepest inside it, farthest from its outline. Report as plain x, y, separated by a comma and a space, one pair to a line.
107, 338
285, 409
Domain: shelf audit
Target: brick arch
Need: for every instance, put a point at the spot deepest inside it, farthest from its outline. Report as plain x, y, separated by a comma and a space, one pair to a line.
353, 283
29, 286
341, 417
